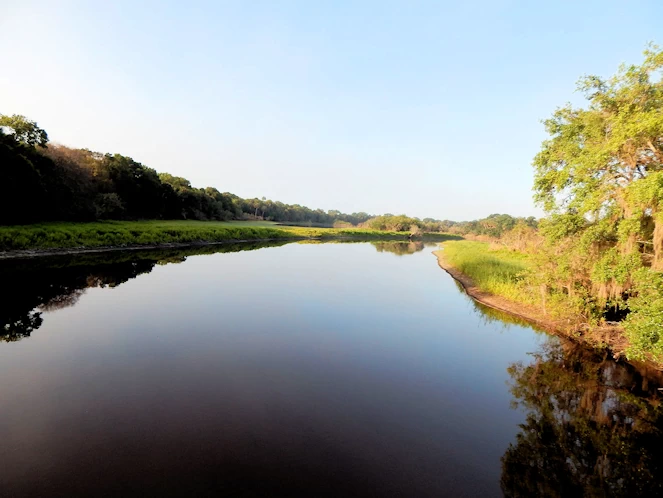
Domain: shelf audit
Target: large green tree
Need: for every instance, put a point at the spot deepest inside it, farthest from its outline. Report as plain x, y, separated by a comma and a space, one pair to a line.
603, 162
600, 178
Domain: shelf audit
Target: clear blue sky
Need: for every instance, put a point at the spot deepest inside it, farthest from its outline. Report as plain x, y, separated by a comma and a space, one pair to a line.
425, 108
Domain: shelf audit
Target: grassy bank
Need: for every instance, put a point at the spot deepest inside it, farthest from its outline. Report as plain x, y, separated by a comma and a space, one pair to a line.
137, 233
505, 280
510, 275
500, 272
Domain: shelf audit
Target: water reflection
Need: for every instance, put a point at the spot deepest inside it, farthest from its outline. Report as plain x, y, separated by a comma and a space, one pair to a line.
593, 427
414, 401
400, 248
47, 284
33, 286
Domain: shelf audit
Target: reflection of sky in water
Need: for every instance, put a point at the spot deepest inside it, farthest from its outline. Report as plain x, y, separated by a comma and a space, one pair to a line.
311, 366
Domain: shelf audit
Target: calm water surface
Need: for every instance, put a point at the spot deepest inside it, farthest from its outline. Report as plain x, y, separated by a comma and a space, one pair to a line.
301, 370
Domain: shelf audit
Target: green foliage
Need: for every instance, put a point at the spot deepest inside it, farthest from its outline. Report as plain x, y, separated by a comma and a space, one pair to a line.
494, 226
600, 178
513, 275
400, 223
603, 163
644, 325
31, 186
614, 267
560, 226
24, 131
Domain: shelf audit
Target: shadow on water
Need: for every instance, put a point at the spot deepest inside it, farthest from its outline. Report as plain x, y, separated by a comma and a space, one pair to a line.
33, 286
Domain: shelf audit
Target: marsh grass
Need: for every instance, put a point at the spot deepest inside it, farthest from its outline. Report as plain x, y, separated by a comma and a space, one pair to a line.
137, 233
512, 275
498, 271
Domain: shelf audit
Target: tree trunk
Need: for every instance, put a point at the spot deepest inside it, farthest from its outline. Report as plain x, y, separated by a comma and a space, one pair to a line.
657, 263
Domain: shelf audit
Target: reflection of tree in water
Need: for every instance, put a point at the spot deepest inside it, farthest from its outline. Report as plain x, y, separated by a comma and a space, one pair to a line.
594, 427
489, 315
65, 300
492, 315
31, 287
400, 248
16, 328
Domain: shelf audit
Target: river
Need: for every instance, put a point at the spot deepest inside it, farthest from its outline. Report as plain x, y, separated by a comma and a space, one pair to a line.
301, 369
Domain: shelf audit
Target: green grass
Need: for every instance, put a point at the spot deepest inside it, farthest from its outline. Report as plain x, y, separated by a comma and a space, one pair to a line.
136, 233
512, 275
500, 272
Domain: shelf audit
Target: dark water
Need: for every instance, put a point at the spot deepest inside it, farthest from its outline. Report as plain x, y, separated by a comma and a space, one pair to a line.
301, 370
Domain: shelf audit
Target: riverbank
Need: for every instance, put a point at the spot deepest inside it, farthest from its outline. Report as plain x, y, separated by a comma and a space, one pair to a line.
497, 279
74, 238
494, 301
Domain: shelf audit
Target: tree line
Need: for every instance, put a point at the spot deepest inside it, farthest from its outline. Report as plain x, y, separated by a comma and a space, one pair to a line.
40, 181
494, 225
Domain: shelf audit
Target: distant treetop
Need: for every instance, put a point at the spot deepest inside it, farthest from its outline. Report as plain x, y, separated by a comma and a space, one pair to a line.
25, 131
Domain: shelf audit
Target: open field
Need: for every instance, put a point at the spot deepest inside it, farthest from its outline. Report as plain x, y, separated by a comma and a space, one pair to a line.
138, 233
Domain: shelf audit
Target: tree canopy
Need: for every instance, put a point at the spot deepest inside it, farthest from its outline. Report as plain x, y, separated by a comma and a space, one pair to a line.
599, 177
603, 163
25, 131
